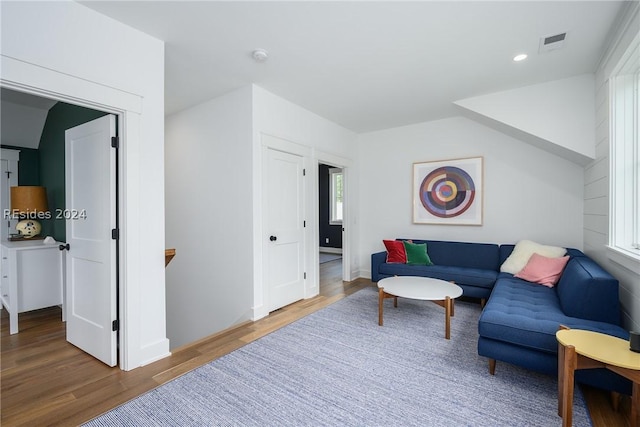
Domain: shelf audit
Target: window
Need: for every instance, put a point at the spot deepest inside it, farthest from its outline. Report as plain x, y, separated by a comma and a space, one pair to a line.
624, 232
335, 195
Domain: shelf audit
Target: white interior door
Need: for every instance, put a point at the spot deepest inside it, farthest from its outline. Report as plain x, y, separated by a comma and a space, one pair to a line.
91, 279
285, 228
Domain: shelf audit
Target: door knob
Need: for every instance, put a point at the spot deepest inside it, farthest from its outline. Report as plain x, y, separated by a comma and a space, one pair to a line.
273, 238
63, 247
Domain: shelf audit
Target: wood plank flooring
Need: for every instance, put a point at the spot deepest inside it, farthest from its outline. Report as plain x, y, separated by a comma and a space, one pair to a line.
47, 381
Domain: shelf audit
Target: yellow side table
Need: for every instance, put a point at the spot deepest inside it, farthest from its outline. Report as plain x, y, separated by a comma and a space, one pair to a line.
578, 349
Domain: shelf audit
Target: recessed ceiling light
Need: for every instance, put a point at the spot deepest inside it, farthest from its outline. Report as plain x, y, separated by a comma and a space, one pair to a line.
520, 57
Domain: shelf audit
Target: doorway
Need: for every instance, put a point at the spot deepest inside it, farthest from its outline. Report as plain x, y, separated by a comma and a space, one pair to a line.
330, 224
42, 161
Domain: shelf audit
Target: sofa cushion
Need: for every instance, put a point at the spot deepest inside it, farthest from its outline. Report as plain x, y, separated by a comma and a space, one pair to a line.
523, 251
395, 251
461, 276
583, 282
461, 254
417, 253
543, 270
506, 250
528, 315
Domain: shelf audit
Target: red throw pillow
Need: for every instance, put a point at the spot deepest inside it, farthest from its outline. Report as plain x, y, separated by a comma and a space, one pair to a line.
543, 270
395, 251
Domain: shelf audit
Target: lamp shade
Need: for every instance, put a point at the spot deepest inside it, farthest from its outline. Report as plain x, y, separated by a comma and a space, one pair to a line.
28, 198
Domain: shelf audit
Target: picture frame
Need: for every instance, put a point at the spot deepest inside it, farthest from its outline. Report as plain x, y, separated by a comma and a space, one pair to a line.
448, 192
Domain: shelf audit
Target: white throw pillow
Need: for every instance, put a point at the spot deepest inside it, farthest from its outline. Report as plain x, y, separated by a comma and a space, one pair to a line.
523, 251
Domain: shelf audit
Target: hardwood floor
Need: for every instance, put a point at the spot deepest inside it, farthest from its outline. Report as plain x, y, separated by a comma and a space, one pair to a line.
47, 381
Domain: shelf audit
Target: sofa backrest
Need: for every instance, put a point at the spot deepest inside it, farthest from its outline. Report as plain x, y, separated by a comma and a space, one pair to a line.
505, 251
462, 254
588, 291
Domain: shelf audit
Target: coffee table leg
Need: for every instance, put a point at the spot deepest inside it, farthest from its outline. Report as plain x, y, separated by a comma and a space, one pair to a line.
447, 314
380, 304
560, 378
453, 302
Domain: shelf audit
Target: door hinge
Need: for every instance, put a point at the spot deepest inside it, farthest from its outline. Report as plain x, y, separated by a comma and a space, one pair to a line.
304, 172
115, 142
115, 325
305, 275
304, 223
115, 233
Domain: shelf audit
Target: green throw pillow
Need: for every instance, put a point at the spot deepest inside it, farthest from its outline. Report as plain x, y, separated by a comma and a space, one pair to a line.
417, 253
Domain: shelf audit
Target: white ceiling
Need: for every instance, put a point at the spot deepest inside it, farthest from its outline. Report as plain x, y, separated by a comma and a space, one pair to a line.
367, 65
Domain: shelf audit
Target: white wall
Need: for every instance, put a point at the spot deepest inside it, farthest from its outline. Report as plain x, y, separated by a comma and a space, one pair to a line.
528, 193
67, 51
597, 174
214, 200
276, 116
209, 217
555, 115
322, 141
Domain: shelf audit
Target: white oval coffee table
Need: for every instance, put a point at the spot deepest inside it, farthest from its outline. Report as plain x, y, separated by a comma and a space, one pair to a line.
439, 291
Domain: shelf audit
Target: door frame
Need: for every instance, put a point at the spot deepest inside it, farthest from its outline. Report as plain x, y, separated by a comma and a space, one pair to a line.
127, 108
344, 164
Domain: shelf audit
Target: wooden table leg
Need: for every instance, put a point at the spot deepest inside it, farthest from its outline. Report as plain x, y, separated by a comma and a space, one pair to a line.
570, 361
380, 304
560, 377
447, 314
453, 303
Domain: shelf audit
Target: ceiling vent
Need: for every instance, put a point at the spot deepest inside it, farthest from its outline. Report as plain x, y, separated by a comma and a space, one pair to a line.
552, 42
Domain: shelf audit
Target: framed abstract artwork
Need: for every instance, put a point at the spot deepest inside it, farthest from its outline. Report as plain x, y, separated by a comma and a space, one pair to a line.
448, 192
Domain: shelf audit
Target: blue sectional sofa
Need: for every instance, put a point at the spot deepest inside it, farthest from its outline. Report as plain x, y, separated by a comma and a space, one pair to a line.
519, 321
472, 266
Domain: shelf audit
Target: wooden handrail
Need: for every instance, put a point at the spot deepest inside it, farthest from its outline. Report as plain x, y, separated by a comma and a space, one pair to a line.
168, 256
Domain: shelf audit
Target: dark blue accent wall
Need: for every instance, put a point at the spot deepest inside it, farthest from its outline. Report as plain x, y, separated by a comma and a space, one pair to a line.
332, 232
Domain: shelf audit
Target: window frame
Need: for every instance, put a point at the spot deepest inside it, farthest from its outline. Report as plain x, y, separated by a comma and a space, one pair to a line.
624, 168
333, 202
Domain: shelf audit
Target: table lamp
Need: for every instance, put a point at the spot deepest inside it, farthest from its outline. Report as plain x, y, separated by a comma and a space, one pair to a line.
29, 203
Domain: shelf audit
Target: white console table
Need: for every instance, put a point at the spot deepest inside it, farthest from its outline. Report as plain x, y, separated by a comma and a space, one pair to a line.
32, 277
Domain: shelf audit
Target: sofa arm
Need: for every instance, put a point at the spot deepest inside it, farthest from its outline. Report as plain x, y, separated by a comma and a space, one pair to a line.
377, 259
587, 291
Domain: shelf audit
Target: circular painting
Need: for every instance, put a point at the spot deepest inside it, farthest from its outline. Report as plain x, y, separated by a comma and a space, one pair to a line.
447, 192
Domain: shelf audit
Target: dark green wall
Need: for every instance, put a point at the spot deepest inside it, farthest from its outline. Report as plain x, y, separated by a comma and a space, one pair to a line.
51, 159
28, 166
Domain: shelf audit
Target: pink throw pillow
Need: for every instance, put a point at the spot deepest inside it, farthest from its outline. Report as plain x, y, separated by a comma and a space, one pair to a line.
395, 251
543, 270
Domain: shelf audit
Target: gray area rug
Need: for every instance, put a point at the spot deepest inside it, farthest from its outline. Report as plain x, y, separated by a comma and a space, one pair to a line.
337, 367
